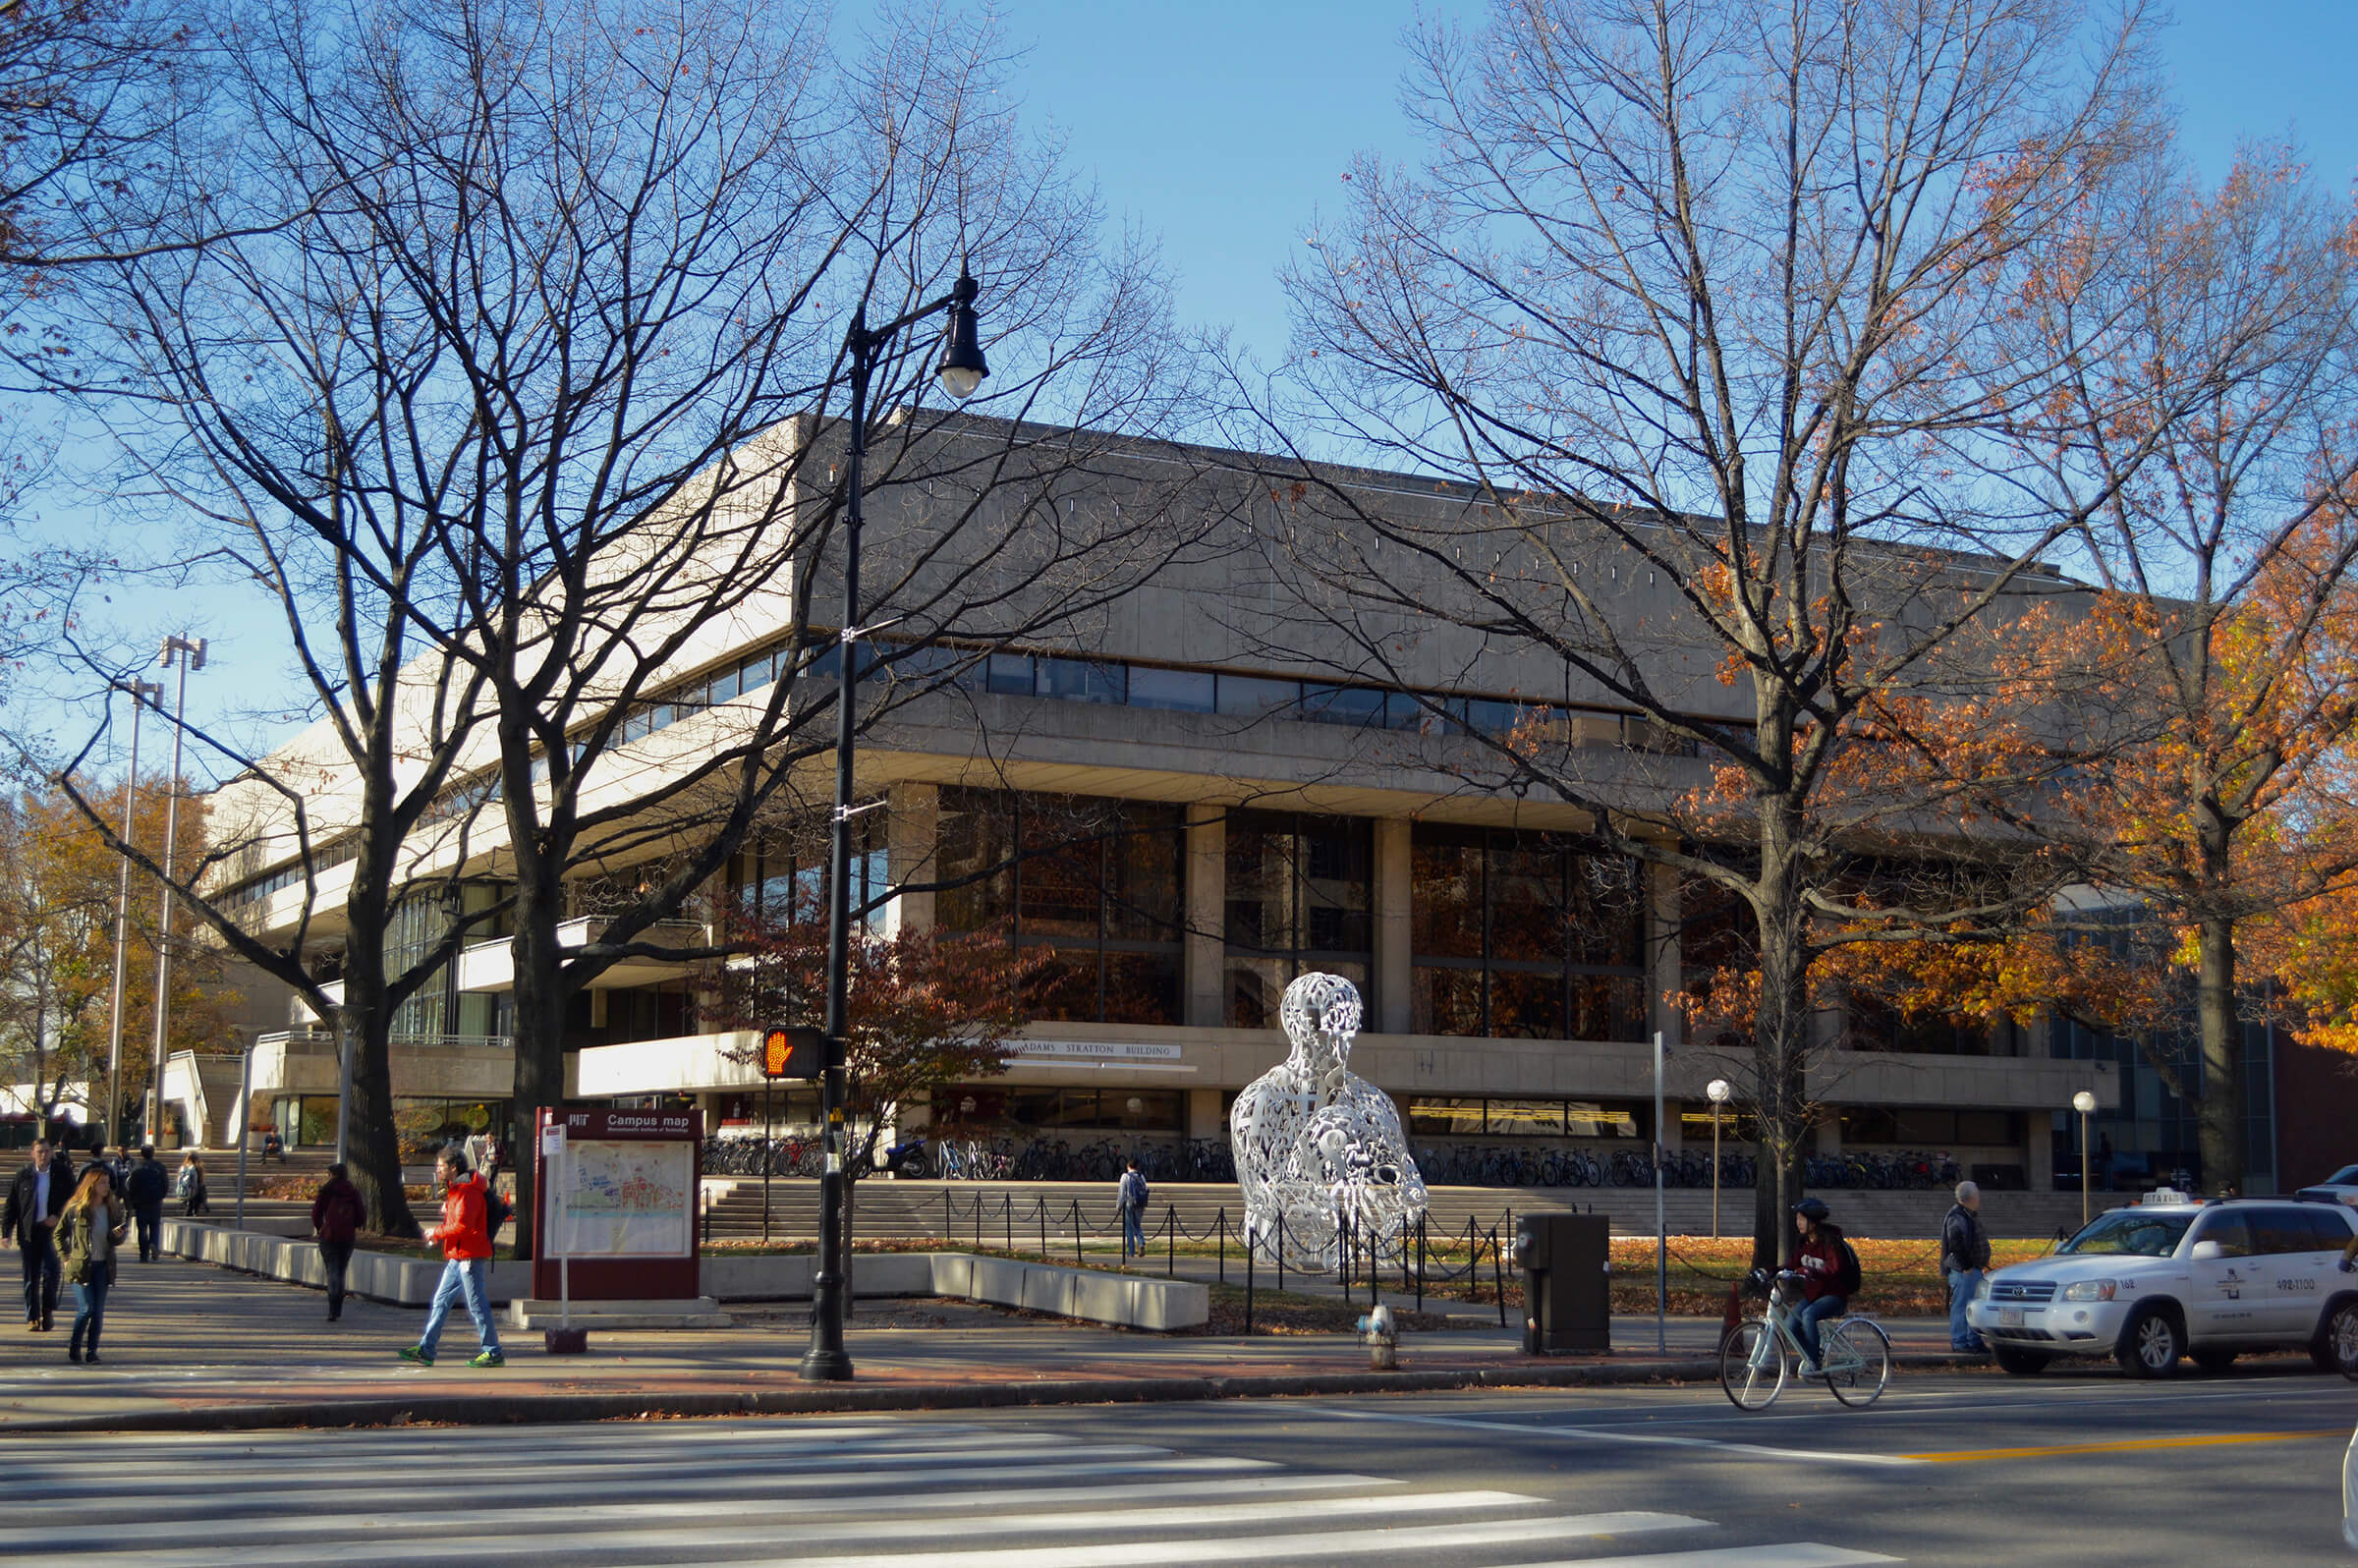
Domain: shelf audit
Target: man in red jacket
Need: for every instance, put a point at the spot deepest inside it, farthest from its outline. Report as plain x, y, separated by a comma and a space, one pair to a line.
467, 1267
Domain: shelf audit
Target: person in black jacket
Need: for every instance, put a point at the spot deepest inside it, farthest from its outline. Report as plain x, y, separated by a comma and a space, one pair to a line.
1964, 1256
145, 1188
34, 1200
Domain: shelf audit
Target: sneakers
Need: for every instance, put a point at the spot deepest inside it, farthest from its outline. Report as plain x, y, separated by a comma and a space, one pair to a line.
489, 1357
1810, 1368
417, 1353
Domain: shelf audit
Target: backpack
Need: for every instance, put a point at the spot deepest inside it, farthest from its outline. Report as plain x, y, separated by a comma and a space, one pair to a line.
1134, 1192
498, 1210
1847, 1277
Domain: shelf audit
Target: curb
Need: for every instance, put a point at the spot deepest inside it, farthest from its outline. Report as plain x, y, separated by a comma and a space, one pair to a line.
543, 1409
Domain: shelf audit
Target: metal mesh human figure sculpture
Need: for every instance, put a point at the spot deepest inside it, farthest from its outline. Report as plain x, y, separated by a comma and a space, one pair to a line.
1317, 1147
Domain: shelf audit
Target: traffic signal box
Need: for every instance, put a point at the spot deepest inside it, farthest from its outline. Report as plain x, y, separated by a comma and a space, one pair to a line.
789, 1051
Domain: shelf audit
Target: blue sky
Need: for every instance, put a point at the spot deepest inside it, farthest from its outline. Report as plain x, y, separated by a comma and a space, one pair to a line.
1223, 126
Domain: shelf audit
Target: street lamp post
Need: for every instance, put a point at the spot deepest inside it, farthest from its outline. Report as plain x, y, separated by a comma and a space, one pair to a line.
142, 692
960, 372
1718, 1091
187, 657
2085, 1103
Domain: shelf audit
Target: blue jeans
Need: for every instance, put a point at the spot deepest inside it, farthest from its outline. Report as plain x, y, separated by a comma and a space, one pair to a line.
1134, 1232
1808, 1316
89, 1313
1961, 1283
469, 1277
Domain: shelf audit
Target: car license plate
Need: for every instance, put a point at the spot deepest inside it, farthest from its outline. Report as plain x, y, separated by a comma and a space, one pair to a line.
2009, 1318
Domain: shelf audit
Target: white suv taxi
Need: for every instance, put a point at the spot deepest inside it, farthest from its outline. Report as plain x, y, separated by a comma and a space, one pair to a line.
2175, 1276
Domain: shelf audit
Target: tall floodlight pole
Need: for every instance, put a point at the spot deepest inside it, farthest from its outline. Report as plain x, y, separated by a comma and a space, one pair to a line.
142, 692
960, 372
181, 653
2085, 1103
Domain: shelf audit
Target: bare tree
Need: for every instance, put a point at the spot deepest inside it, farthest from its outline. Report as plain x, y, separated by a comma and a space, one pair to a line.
529, 388
1705, 302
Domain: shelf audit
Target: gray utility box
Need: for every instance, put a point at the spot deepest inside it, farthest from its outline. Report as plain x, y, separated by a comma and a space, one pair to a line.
1568, 1282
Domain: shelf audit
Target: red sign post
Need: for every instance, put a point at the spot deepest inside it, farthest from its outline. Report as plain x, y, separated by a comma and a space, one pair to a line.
627, 1222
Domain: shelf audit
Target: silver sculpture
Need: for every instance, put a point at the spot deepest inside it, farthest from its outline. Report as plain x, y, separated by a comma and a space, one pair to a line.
1318, 1149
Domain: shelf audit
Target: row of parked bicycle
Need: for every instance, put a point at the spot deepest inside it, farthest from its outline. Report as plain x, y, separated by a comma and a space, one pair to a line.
1209, 1160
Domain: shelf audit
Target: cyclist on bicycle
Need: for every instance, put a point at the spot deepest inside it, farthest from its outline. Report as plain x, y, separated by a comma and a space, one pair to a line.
1819, 1263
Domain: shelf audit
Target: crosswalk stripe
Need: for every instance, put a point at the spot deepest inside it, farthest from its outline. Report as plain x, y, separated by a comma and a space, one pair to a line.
1786, 1554
1621, 1435
469, 1475
498, 1457
750, 1488
229, 1545
27, 1523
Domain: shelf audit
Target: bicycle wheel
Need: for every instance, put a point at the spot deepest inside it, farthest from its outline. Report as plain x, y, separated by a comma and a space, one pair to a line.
1752, 1365
1858, 1361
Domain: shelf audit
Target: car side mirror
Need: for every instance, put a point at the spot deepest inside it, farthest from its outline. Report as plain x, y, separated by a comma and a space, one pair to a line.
2205, 1252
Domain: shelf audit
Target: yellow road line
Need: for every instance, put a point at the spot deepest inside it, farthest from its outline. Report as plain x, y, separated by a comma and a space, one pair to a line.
2128, 1445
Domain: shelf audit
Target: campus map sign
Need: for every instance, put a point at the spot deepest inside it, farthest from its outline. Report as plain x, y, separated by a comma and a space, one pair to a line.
627, 1182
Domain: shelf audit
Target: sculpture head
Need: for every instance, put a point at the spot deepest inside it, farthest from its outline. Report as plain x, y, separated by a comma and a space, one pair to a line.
1320, 1014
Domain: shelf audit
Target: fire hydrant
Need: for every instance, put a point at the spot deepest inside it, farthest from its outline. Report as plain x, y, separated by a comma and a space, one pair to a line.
1375, 1331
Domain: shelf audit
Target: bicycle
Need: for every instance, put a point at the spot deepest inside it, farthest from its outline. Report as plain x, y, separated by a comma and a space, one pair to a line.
1753, 1356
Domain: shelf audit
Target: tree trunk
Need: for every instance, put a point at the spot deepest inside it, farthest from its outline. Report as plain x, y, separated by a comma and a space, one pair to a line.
1782, 1038
540, 1024
372, 1148
2219, 1112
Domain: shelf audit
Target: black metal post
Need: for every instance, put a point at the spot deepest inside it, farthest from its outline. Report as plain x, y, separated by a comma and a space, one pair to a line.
826, 1361
1420, 1262
1248, 1282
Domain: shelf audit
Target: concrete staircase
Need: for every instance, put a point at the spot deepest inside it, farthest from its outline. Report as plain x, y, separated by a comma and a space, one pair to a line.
911, 1210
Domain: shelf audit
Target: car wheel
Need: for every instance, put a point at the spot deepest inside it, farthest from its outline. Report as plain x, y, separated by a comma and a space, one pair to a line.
2150, 1347
2335, 1348
2214, 1362
2021, 1362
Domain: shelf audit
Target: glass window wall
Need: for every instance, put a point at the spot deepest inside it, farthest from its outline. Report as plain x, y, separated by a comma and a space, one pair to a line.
1530, 936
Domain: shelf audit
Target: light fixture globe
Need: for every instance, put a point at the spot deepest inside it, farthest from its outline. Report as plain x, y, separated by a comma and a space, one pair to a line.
962, 367
1720, 1091
2084, 1102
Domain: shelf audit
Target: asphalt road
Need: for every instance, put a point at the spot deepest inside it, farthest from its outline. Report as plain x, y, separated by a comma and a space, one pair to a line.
1967, 1470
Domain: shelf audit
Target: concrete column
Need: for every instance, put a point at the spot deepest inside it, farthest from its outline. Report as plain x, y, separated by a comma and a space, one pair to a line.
1202, 960
1664, 964
914, 816
1395, 900
1204, 1118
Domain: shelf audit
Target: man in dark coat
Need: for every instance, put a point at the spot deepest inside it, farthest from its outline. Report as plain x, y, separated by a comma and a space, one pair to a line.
1964, 1257
145, 1187
34, 1200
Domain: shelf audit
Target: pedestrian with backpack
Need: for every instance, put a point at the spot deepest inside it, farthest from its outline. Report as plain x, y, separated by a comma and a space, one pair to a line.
337, 1215
145, 1188
467, 1263
1830, 1277
1130, 1201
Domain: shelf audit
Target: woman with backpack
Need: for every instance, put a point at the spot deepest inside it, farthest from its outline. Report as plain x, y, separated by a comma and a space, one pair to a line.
190, 1186
1829, 1271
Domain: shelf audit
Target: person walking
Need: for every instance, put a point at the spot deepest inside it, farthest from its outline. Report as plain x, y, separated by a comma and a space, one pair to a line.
1130, 1203
467, 1263
145, 1188
91, 1228
1964, 1257
337, 1215
190, 1186
36, 1199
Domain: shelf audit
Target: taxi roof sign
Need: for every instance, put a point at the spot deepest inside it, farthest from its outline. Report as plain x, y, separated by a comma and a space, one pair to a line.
792, 1051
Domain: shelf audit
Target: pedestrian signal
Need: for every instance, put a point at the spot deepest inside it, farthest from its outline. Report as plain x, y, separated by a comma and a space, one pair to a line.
793, 1052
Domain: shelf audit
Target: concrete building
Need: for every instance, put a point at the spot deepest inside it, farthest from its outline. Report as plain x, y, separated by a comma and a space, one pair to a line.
1191, 817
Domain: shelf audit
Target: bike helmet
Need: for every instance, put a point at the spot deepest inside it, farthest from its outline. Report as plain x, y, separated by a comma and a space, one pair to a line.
1814, 1207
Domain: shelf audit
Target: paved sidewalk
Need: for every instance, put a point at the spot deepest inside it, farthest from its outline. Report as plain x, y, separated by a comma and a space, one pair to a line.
193, 1347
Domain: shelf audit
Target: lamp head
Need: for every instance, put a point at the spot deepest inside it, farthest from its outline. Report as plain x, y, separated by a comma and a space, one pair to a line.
2084, 1102
1718, 1088
962, 367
